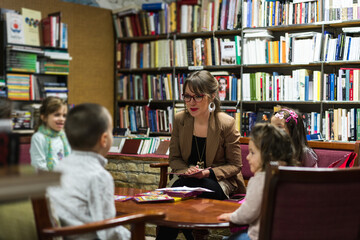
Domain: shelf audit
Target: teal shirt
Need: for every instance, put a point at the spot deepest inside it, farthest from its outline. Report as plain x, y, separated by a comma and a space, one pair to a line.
39, 150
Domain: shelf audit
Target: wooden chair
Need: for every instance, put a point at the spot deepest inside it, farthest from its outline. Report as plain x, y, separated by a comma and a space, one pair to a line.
46, 229
310, 203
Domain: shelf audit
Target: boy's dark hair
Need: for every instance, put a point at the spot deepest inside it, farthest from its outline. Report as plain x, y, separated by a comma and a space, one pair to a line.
85, 124
5, 108
274, 144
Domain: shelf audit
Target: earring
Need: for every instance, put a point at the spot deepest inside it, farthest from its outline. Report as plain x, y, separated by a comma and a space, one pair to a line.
212, 107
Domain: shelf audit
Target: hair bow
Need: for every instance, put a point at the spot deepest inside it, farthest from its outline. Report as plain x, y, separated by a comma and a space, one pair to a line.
293, 115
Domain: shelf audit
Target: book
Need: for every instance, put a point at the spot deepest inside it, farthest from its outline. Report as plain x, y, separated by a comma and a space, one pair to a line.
121, 198
223, 87
14, 28
163, 148
184, 174
31, 23
131, 146
153, 198
228, 52
56, 18
153, 6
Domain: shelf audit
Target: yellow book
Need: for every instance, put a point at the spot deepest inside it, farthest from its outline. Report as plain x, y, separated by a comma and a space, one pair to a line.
157, 54
173, 17
31, 23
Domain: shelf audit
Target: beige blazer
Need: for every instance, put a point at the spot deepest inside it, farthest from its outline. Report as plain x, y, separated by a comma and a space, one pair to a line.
223, 152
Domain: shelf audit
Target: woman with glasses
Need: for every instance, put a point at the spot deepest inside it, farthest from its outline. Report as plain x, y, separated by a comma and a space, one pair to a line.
204, 146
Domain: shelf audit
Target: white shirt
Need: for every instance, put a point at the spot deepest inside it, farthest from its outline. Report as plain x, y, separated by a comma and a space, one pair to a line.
39, 150
86, 194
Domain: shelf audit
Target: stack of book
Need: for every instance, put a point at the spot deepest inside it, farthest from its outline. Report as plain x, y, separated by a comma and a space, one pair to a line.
17, 61
54, 32
18, 86
54, 66
56, 89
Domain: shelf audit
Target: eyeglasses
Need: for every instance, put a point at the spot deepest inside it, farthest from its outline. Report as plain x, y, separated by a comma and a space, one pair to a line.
197, 98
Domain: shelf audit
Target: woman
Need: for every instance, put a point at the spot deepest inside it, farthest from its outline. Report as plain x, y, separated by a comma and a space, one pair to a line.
204, 137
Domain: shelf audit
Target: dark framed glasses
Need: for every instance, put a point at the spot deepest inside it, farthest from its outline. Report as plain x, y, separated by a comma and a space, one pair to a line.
197, 98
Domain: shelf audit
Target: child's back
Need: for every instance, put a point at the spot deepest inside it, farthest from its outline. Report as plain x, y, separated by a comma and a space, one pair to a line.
86, 193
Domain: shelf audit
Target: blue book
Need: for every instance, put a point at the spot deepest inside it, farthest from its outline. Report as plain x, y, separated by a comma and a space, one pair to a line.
133, 127
153, 6
306, 88
248, 21
347, 85
332, 85
348, 53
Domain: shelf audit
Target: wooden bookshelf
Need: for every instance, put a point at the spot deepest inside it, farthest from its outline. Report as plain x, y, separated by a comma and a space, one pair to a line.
323, 66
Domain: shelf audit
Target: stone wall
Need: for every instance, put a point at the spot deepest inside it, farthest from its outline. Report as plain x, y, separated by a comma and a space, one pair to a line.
134, 173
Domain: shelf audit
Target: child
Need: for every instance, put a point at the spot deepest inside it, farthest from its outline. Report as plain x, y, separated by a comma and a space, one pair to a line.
267, 143
49, 144
291, 121
86, 193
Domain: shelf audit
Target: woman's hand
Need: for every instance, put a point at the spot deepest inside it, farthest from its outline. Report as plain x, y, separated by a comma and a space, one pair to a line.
192, 170
224, 217
197, 173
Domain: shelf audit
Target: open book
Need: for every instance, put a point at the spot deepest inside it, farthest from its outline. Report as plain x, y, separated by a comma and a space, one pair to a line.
184, 192
184, 174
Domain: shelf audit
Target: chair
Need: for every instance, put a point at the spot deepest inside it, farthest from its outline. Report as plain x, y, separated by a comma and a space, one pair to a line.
46, 229
310, 203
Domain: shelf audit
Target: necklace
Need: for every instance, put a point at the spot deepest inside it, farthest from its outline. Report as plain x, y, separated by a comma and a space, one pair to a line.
200, 163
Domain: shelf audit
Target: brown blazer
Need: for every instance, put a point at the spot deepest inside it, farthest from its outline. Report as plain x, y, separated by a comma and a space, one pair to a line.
223, 152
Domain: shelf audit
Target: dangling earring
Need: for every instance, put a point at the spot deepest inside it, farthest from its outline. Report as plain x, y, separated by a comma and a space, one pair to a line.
212, 107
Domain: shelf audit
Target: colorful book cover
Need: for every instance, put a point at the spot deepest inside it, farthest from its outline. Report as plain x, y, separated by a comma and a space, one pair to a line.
223, 87
121, 198
15, 28
31, 23
153, 198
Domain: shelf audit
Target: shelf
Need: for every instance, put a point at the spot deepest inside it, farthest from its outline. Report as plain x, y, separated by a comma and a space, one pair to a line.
241, 69
144, 70
146, 38
288, 28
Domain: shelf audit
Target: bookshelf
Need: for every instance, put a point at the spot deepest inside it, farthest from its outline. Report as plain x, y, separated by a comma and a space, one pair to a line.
293, 71
31, 73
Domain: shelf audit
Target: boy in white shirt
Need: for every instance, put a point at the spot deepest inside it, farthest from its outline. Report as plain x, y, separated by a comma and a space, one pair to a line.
86, 193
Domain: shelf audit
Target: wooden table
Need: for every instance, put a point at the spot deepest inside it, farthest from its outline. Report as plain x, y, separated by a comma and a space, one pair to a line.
196, 213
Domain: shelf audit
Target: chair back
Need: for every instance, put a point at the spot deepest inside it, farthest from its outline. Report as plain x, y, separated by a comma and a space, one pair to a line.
41, 215
311, 203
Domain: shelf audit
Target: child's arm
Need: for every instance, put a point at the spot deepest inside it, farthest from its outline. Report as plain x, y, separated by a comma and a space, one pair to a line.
224, 217
38, 152
249, 211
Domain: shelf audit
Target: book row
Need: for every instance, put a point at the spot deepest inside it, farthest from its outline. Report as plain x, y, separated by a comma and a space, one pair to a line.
181, 16
141, 145
140, 87
136, 117
36, 60
28, 27
264, 13
290, 47
31, 87
337, 124
302, 85
190, 52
